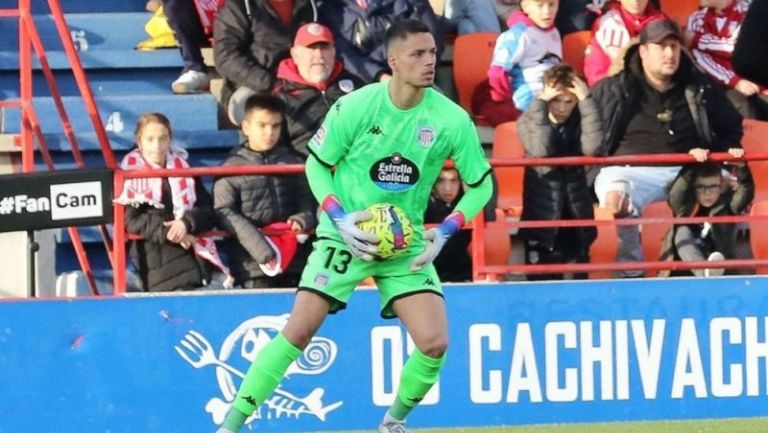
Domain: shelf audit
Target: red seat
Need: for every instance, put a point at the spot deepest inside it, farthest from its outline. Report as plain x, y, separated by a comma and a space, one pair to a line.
758, 234
472, 55
679, 10
506, 144
574, 45
652, 234
756, 140
603, 249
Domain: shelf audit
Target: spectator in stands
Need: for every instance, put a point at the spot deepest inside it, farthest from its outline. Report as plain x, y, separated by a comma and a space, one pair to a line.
659, 103
750, 56
309, 82
360, 27
529, 47
185, 22
168, 213
712, 32
250, 38
454, 262
562, 121
613, 32
264, 213
701, 190
467, 16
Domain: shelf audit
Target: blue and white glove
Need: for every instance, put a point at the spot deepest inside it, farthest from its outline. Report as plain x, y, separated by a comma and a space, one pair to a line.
361, 244
436, 238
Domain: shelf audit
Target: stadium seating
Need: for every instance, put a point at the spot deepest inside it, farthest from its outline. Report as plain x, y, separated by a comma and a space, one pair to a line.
756, 140
574, 45
472, 56
506, 144
652, 234
679, 10
758, 234
497, 244
603, 249
125, 82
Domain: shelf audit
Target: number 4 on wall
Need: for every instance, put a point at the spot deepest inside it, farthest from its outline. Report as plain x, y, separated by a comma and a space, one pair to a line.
115, 122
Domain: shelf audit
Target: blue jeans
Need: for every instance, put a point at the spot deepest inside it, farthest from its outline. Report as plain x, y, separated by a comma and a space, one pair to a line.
643, 185
472, 16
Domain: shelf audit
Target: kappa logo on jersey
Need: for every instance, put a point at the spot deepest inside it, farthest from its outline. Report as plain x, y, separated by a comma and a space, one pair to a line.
375, 130
426, 136
394, 173
231, 360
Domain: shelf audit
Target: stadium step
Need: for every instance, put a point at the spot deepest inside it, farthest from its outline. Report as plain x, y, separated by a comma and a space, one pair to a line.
124, 141
103, 82
85, 6
103, 40
120, 113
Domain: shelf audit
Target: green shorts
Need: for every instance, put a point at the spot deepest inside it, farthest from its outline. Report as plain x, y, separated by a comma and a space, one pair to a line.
334, 273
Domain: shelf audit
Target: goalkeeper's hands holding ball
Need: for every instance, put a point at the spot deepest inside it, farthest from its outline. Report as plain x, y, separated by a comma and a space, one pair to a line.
361, 244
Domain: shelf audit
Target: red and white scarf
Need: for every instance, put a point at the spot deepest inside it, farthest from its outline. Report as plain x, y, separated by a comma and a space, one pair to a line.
137, 192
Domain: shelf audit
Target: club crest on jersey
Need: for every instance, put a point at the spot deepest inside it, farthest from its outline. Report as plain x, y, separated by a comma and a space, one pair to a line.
426, 136
346, 85
394, 173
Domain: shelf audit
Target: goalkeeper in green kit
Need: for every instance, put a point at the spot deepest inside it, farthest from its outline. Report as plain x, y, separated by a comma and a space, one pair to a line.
387, 142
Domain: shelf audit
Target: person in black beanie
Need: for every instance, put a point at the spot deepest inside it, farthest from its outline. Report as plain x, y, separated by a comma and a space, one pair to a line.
750, 57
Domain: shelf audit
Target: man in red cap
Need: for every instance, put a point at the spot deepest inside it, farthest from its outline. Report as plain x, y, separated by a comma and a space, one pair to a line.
310, 81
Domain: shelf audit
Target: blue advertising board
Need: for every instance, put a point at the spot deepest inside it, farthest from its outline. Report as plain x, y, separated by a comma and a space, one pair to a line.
528, 353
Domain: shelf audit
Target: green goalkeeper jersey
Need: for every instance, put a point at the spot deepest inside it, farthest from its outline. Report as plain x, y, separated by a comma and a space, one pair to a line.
384, 154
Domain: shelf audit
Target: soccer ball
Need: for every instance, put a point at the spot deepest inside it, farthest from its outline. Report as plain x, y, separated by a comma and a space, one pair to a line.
393, 228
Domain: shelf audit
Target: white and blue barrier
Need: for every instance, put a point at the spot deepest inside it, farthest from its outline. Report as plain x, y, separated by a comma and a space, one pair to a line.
519, 354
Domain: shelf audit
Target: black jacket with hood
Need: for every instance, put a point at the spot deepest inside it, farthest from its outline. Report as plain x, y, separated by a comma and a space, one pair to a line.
250, 40
718, 124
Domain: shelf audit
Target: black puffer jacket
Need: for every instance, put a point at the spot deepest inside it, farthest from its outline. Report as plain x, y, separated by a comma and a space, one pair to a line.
163, 265
360, 33
454, 262
549, 193
243, 204
306, 103
718, 124
249, 40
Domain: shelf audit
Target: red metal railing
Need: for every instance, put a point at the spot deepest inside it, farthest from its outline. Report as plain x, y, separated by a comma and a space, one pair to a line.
30, 41
477, 225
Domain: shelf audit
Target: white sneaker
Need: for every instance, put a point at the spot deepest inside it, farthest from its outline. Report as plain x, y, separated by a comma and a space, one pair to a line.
191, 82
392, 427
716, 256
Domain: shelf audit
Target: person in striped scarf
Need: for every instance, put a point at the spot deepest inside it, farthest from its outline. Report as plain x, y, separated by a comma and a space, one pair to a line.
169, 214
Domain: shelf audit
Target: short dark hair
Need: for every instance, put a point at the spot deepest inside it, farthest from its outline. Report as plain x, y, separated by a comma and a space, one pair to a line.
708, 169
270, 103
402, 29
561, 75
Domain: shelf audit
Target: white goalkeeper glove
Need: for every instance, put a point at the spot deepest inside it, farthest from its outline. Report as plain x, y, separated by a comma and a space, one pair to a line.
436, 238
361, 244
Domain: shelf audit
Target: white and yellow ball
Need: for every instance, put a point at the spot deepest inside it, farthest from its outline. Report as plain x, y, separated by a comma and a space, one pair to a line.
393, 228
